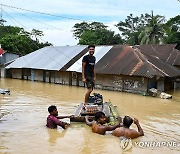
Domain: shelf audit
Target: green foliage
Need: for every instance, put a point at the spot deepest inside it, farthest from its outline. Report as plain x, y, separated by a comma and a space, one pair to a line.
4, 30
172, 28
79, 28
146, 29
150, 29
37, 33
2, 21
131, 28
17, 40
114, 118
100, 37
153, 31
95, 33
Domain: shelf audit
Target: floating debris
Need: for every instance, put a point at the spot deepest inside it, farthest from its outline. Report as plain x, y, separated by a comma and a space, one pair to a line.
5, 91
155, 93
165, 95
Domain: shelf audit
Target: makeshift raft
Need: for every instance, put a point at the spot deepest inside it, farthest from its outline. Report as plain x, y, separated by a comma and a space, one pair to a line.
94, 105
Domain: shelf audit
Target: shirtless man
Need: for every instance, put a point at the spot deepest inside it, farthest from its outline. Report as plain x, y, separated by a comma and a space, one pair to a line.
97, 124
126, 131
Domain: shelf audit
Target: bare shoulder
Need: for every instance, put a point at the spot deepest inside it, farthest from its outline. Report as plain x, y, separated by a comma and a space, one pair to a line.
100, 129
119, 129
118, 132
132, 133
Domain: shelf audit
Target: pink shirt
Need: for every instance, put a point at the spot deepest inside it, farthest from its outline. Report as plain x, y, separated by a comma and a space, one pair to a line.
52, 122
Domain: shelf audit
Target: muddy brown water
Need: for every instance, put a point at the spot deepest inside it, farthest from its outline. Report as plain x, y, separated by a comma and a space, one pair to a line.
24, 112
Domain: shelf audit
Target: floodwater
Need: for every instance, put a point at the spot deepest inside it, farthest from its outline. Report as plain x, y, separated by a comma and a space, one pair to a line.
23, 117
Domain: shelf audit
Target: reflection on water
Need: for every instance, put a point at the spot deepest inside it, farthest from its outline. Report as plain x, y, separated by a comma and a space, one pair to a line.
23, 117
54, 134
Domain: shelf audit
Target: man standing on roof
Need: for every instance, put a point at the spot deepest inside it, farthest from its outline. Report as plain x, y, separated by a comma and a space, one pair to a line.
88, 72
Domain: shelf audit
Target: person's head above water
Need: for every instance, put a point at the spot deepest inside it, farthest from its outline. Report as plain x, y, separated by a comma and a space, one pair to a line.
100, 117
53, 110
127, 121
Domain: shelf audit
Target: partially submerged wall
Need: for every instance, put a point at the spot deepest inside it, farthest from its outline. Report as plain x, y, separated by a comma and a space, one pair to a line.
16, 73
132, 84
122, 83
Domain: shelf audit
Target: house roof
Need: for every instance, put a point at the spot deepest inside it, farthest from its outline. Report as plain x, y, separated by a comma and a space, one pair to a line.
165, 52
117, 59
100, 51
158, 66
49, 58
124, 60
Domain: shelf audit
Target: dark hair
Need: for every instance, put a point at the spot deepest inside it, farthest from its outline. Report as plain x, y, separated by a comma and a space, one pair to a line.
127, 121
89, 46
51, 108
99, 115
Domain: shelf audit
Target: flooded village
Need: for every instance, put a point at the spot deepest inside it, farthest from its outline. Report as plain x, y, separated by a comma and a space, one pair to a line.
135, 69
125, 74
89, 77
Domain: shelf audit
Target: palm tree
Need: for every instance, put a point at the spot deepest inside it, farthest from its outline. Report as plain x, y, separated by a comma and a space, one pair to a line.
153, 31
130, 29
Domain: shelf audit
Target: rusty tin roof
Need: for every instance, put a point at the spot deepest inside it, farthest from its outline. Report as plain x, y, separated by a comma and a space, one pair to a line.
126, 60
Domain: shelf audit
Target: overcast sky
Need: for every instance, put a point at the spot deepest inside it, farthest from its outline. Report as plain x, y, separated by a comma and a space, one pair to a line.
63, 14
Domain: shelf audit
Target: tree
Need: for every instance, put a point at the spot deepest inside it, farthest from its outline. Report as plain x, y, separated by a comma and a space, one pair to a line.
4, 30
172, 28
100, 37
131, 28
18, 44
2, 21
153, 31
95, 33
79, 28
17, 40
36, 33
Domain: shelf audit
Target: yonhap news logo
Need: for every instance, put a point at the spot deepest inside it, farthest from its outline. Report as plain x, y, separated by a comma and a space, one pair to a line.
157, 144
125, 143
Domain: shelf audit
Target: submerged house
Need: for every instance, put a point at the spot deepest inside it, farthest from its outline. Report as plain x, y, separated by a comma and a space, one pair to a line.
5, 59
119, 67
167, 53
46, 64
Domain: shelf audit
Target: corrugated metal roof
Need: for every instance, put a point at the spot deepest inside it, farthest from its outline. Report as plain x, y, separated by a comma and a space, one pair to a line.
174, 58
100, 51
160, 67
118, 60
165, 52
48, 58
177, 60
124, 60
